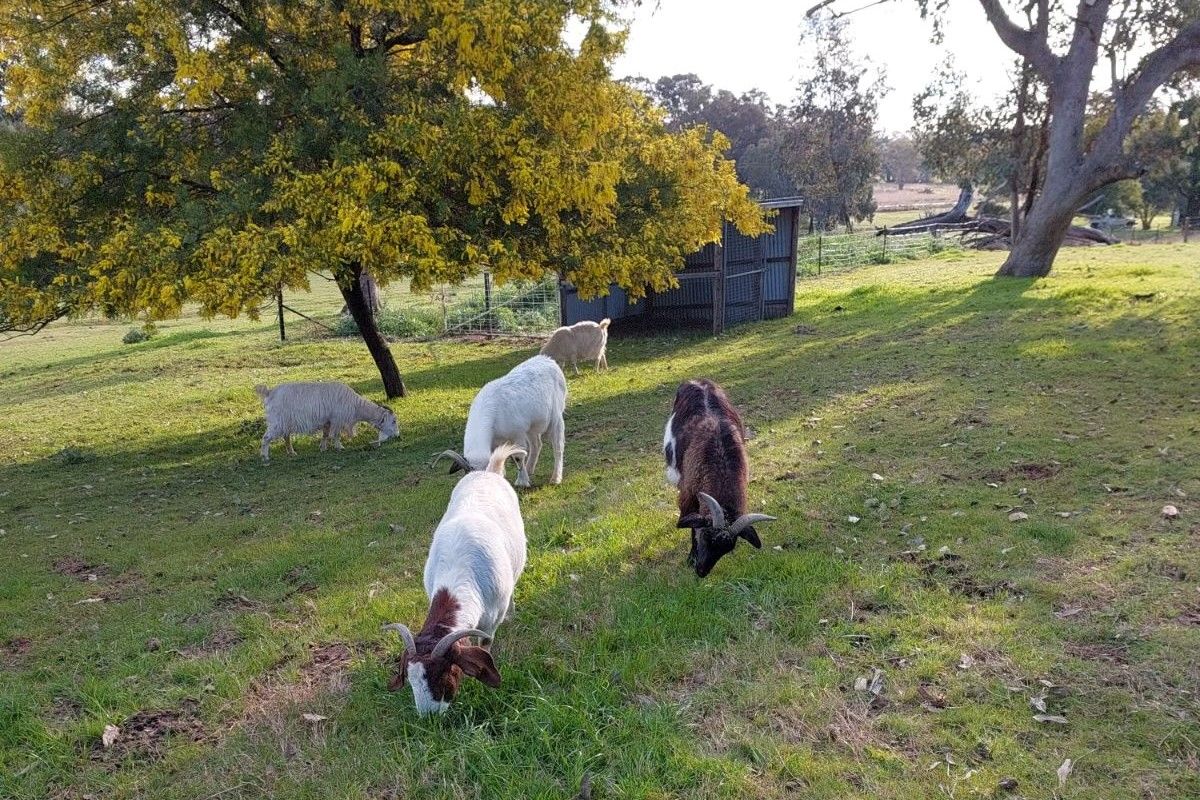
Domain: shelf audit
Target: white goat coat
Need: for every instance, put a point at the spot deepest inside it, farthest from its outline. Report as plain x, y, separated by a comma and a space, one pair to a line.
478, 550
520, 408
331, 408
583, 341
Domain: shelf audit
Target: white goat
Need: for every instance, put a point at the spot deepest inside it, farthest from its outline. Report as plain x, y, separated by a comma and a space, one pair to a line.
477, 555
518, 407
585, 340
332, 408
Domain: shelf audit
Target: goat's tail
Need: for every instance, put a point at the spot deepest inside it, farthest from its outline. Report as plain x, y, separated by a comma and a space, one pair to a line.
604, 323
501, 455
262, 391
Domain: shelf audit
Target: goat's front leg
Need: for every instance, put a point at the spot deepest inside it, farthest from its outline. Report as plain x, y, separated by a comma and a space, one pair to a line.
288, 441
523, 466
535, 450
325, 437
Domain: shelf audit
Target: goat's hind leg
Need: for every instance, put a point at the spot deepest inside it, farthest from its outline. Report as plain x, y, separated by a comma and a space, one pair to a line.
558, 438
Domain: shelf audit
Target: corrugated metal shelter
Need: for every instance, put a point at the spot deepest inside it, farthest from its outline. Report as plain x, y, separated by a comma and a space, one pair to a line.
741, 279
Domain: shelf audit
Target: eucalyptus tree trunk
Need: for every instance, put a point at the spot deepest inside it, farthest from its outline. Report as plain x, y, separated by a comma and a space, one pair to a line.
1077, 167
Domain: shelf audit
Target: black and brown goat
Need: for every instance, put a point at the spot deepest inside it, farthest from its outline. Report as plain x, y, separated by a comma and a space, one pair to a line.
704, 446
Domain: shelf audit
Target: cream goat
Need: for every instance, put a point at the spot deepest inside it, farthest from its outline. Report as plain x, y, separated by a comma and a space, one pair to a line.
334, 409
585, 341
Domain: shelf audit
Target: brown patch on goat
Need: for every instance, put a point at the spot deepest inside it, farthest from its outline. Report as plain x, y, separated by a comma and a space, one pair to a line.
708, 450
146, 734
442, 675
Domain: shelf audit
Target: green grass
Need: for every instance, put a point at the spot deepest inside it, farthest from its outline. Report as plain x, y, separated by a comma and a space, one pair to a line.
237, 597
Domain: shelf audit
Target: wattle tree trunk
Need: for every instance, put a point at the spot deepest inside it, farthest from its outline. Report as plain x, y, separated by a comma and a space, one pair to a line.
358, 304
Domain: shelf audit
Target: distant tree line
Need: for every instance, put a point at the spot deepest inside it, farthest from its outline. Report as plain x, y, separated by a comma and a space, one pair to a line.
822, 147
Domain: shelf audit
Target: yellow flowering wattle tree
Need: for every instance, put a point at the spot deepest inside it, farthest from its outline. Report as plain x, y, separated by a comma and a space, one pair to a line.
160, 152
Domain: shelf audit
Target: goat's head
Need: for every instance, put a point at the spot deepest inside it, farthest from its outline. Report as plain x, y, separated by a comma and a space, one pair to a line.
388, 427
436, 672
459, 463
713, 537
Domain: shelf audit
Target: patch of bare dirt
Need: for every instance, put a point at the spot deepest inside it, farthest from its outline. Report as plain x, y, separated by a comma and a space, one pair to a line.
971, 419
1109, 652
234, 600
955, 576
273, 697
77, 568
14, 649
64, 710
297, 578
1024, 472
1190, 616
221, 641
146, 734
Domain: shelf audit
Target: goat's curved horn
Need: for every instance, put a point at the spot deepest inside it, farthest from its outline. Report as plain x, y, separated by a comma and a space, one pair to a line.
746, 520
459, 461
449, 639
409, 643
714, 510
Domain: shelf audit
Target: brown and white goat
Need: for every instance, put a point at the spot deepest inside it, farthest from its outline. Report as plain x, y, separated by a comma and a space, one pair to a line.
477, 555
703, 445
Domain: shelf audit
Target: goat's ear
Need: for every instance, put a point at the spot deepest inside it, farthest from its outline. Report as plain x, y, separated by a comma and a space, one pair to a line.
477, 663
397, 681
751, 536
693, 520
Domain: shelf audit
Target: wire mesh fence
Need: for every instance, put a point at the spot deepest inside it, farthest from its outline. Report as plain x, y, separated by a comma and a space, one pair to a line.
828, 252
519, 308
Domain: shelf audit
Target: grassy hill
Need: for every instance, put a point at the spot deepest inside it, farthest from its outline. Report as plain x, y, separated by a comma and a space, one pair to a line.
894, 638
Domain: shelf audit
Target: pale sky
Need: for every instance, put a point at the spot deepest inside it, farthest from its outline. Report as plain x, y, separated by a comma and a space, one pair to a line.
754, 44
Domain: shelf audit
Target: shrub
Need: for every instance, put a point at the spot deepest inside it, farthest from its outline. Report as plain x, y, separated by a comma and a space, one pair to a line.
135, 335
407, 324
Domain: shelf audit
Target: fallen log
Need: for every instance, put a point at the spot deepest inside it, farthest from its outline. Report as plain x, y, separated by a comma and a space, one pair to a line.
955, 216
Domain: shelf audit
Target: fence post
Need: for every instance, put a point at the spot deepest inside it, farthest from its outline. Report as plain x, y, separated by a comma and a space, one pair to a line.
820, 251
1185, 230
885, 235
487, 299
279, 300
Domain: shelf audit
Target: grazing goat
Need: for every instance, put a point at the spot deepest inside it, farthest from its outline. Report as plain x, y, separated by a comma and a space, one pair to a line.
706, 460
332, 408
585, 340
477, 555
518, 407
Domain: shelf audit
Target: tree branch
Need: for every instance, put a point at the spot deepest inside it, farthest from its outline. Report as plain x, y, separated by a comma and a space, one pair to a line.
1152, 73
1157, 68
1030, 44
257, 33
406, 39
14, 329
